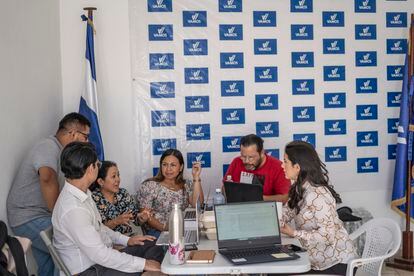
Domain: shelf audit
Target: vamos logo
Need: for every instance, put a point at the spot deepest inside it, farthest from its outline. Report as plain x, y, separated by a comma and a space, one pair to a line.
302, 59
197, 104
366, 85
203, 157
334, 100
194, 18
333, 19
265, 47
231, 143
159, 5
367, 138
265, 74
162, 89
232, 116
393, 99
335, 154
366, 58
230, 6
396, 19
367, 112
162, 118
231, 60
161, 61
196, 75
267, 129
231, 32
365, 32
232, 88
367, 165
303, 113
266, 102
160, 32
334, 46
392, 152
161, 145
301, 6
396, 46
305, 137
301, 32
303, 87
395, 72
335, 127
273, 152
198, 132
195, 47
334, 73
365, 6
392, 125
264, 18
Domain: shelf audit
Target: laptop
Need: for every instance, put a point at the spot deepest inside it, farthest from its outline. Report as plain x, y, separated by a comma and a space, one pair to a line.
242, 192
249, 233
191, 229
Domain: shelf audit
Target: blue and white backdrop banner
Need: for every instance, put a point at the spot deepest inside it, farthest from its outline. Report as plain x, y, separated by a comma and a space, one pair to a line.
328, 72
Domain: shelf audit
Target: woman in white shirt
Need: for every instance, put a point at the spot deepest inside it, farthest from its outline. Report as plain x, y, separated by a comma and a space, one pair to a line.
312, 206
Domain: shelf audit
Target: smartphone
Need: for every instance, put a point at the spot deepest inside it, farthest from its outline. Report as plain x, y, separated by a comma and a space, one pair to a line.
294, 248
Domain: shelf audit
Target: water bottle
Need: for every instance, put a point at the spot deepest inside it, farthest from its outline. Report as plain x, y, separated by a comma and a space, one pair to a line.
176, 235
219, 198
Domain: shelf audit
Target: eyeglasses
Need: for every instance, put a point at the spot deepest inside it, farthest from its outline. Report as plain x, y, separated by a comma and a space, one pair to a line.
85, 135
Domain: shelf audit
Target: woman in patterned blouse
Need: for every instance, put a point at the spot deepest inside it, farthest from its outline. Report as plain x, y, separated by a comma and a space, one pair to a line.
169, 186
312, 206
116, 206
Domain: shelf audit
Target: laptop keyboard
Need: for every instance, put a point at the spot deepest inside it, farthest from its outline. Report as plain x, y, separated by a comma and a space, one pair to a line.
234, 254
190, 214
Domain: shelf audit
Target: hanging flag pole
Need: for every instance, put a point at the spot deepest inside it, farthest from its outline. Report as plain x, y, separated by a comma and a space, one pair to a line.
403, 178
88, 105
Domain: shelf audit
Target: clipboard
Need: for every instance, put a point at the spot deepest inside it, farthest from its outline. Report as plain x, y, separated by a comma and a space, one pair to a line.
201, 257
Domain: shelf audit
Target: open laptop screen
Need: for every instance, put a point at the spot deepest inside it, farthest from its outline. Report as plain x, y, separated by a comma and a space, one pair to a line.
246, 223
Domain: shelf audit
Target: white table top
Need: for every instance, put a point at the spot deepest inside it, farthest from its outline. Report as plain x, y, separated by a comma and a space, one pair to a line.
222, 266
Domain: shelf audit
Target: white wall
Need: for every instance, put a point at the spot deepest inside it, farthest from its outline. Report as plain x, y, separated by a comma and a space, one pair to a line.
30, 81
112, 56
112, 52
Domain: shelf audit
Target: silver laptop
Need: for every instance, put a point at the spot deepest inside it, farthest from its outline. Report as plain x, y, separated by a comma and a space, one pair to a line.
249, 233
191, 227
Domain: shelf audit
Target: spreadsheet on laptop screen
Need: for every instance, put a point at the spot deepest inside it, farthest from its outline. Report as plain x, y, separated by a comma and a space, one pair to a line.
247, 221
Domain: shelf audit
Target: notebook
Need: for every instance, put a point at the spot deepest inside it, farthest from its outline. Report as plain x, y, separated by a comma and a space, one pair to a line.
191, 227
249, 233
242, 192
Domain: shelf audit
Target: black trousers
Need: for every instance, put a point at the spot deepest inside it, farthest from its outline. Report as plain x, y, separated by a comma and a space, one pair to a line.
147, 251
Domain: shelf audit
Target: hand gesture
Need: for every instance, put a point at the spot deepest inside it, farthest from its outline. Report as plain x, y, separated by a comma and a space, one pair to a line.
124, 218
286, 229
151, 265
144, 215
196, 171
139, 240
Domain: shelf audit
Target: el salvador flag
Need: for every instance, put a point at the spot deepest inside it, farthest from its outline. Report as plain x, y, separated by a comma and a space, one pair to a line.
404, 148
88, 105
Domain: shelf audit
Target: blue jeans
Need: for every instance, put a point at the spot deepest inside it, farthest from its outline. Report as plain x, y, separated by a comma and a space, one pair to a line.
153, 232
31, 230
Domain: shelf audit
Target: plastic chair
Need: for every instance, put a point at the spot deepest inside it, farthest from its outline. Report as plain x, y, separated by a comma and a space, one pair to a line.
47, 236
383, 239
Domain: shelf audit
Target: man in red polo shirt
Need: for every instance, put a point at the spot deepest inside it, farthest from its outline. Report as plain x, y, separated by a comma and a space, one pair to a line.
255, 166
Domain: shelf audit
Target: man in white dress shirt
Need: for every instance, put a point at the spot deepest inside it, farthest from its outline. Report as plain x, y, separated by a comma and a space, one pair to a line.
82, 241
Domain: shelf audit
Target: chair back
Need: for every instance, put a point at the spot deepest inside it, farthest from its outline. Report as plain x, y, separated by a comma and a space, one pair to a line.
47, 236
383, 239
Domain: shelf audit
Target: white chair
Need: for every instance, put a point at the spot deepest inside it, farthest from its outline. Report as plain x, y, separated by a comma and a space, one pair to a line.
382, 241
46, 236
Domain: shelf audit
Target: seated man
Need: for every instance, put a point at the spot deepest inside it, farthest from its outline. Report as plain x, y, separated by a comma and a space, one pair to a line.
82, 241
255, 166
36, 187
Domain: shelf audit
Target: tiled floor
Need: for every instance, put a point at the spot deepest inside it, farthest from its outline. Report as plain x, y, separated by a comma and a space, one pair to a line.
388, 271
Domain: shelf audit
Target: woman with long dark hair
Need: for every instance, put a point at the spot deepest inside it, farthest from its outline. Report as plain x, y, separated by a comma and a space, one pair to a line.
312, 207
169, 186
